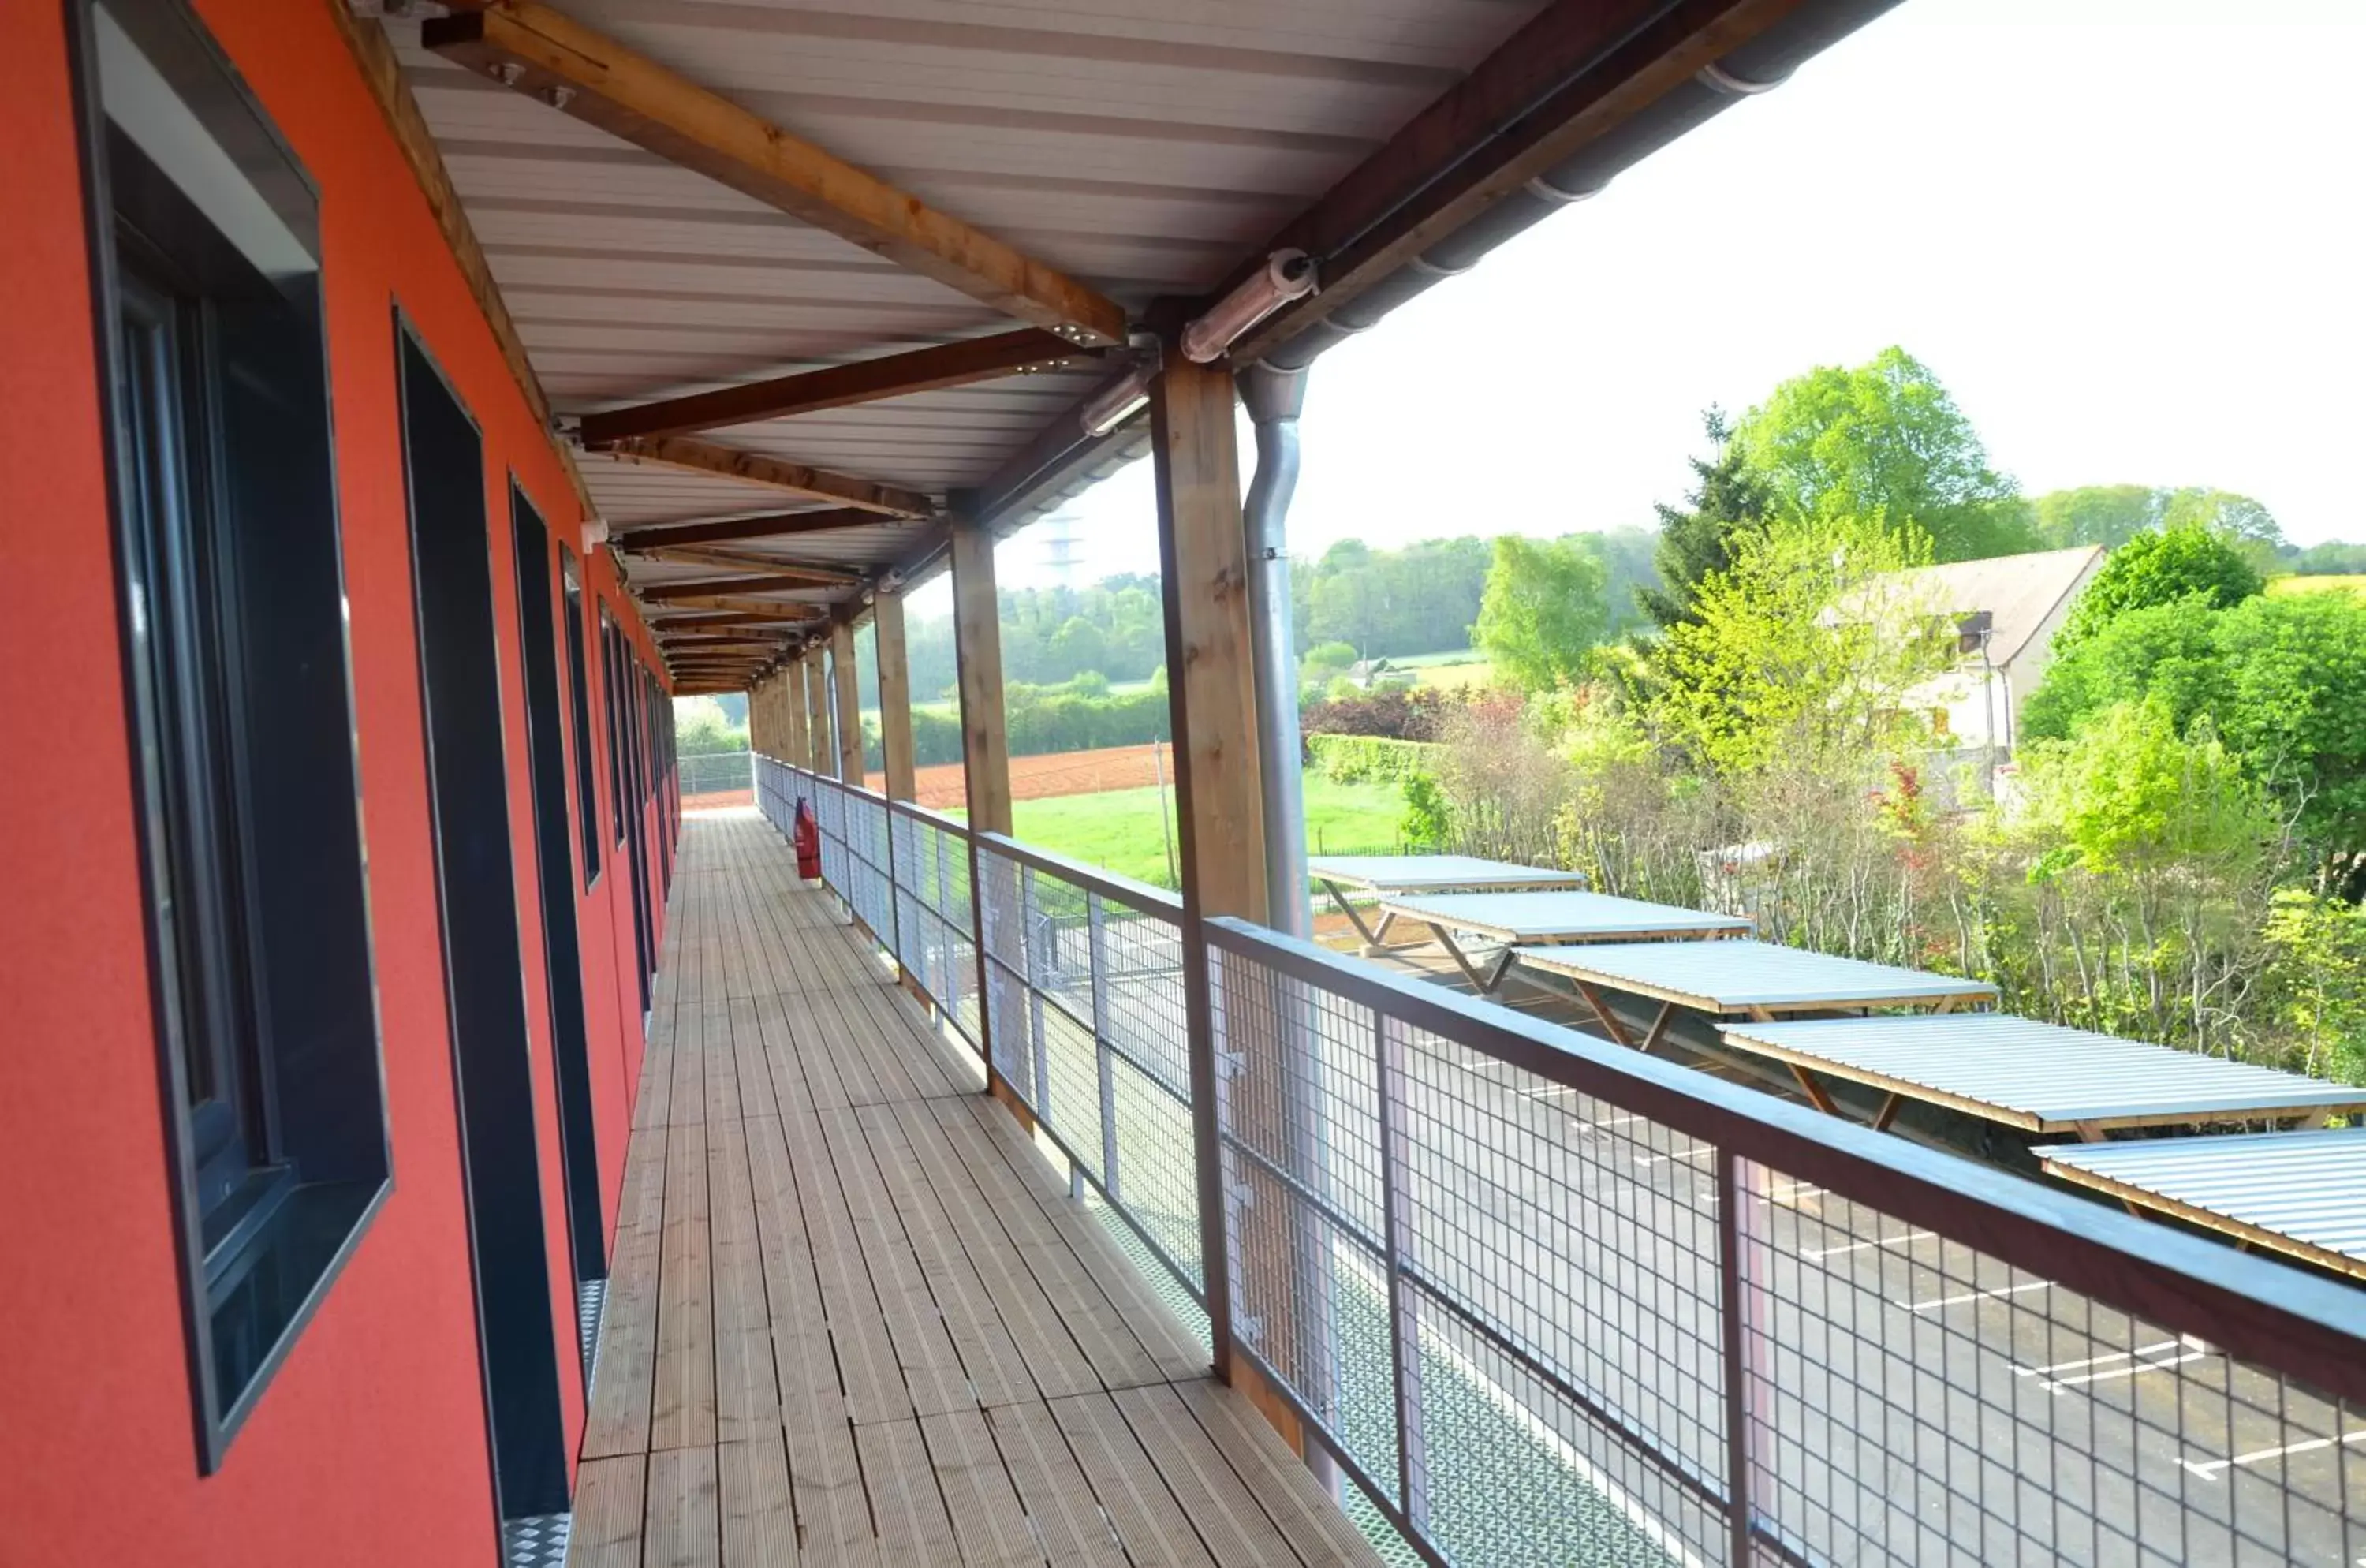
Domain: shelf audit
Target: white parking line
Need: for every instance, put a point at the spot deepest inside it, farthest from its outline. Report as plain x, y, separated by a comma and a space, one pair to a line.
1906, 1240
1694, 1153
2216, 1468
2116, 1364
1938, 1302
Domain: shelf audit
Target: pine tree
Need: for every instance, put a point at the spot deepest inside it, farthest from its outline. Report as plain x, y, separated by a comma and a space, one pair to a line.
1727, 497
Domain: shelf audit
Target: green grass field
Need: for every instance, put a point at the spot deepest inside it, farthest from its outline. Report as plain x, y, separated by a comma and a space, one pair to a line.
1119, 829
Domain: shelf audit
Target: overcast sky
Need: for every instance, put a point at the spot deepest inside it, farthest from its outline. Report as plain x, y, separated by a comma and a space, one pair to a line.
2129, 235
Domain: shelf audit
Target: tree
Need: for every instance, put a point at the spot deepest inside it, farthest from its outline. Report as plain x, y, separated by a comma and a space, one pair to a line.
1728, 495
2131, 792
2331, 559
2235, 518
1542, 610
2109, 515
2160, 568
2170, 653
1883, 439
701, 729
2295, 672
1787, 660
2277, 677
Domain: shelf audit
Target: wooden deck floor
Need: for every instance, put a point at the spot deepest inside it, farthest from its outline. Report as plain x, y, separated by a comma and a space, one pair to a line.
854, 1318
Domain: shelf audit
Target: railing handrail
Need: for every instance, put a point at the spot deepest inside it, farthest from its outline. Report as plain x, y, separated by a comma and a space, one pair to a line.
1107, 884
2250, 1307
936, 819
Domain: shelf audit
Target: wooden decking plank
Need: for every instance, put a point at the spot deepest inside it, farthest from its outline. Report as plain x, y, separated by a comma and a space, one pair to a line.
1050, 1355
914, 1527
606, 1529
747, 1061
618, 1420
933, 1374
1276, 1476
718, 1063
989, 1521
997, 1368
833, 1509
1093, 1291
760, 1520
1231, 1522
688, 1091
1169, 1342
867, 1358
747, 1395
685, 1521
682, 1411
1148, 1521
1059, 1502
844, 1286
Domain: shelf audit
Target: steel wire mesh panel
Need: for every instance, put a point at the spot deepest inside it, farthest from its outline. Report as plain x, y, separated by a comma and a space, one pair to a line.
869, 891
1915, 1400
1085, 991
715, 773
1498, 1299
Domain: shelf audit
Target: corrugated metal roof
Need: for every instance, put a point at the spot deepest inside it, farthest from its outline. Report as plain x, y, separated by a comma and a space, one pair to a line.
1736, 975
2302, 1192
1390, 873
1142, 147
1559, 916
1145, 149
2041, 1076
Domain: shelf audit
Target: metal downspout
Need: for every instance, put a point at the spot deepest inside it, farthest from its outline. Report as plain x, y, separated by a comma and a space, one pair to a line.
1273, 398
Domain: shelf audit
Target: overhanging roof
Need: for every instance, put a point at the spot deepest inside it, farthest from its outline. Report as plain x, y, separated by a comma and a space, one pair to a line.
1140, 153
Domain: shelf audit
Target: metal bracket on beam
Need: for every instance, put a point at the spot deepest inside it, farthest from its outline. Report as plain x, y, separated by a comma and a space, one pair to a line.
1718, 78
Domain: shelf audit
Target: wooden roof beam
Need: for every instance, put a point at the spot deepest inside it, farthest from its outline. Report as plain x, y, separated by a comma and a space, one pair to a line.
784, 617
381, 70
1578, 69
1028, 352
601, 82
820, 576
731, 462
771, 609
700, 588
772, 526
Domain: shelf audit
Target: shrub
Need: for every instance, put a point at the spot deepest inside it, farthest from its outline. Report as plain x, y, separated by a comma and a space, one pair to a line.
1369, 759
1415, 714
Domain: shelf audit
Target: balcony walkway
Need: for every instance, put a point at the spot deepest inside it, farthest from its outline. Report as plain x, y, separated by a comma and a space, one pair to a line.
854, 1318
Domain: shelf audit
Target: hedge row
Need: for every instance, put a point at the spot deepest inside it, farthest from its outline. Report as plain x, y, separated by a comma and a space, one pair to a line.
1367, 759
1039, 726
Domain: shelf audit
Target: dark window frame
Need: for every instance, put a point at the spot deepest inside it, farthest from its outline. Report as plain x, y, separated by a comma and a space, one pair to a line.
571, 605
209, 327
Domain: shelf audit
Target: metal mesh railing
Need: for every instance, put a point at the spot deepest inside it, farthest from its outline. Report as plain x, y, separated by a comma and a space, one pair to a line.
1552, 1303
1549, 1301
934, 939
902, 871
1086, 1024
717, 772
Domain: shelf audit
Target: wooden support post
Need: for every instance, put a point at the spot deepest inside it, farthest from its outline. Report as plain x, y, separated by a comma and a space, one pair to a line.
986, 761
895, 694
821, 749
850, 703
977, 647
1212, 695
789, 697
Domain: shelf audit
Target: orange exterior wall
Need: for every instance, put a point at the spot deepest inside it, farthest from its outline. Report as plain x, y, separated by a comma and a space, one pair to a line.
369, 1445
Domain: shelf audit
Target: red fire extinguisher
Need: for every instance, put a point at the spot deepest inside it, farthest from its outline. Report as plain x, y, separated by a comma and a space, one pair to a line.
808, 842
